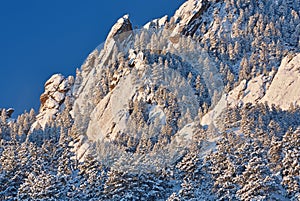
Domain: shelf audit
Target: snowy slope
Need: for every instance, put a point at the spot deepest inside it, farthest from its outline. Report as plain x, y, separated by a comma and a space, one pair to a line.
146, 101
119, 70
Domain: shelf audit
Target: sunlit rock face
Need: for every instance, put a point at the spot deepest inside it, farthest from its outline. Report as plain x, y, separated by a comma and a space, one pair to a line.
284, 90
57, 88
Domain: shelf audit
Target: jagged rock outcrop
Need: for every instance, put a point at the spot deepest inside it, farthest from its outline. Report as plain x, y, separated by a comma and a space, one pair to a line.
190, 11
90, 72
57, 88
188, 17
251, 91
120, 31
158, 67
156, 23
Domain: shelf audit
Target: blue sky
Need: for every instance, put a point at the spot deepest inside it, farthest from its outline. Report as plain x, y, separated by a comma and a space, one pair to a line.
40, 38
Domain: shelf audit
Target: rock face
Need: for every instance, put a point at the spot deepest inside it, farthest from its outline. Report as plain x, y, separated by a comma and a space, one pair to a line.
119, 31
284, 90
190, 11
158, 70
57, 88
92, 68
189, 15
157, 23
281, 89
111, 114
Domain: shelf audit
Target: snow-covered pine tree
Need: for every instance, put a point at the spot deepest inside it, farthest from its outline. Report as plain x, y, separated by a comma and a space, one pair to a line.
92, 177
291, 162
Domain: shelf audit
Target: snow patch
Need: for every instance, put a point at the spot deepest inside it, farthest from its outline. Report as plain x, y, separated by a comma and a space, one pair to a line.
185, 135
211, 116
156, 112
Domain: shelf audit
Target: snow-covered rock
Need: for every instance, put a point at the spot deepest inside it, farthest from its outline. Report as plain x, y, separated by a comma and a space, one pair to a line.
56, 90
156, 23
119, 30
251, 91
110, 116
53, 83
9, 112
185, 135
156, 112
285, 87
211, 116
188, 10
281, 89
96, 61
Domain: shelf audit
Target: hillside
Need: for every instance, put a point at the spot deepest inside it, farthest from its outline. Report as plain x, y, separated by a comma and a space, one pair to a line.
203, 105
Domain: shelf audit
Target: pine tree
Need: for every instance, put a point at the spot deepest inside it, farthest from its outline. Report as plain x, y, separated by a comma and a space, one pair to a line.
10, 175
40, 187
291, 162
244, 69
275, 155
196, 183
259, 184
93, 177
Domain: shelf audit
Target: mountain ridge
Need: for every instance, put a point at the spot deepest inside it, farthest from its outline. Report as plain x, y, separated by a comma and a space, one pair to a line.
201, 106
